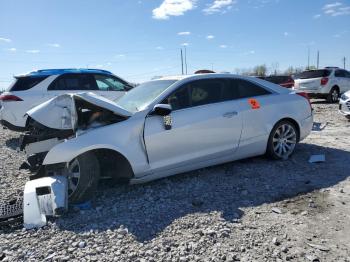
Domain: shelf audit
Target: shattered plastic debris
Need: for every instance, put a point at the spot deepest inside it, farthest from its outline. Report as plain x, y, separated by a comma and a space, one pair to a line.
11, 212
317, 159
83, 206
47, 196
319, 247
318, 126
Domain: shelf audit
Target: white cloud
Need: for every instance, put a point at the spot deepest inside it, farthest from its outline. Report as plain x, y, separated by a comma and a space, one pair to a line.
286, 34
210, 37
219, 6
184, 33
336, 9
33, 51
317, 16
331, 6
2, 39
185, 44
173, 8
120, 56
223, 46
159, 48
11, 49
54, 45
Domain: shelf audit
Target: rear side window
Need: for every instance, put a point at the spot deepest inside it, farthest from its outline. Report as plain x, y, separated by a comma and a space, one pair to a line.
247, 89
83, 82
313, 74
25, 83
339, 73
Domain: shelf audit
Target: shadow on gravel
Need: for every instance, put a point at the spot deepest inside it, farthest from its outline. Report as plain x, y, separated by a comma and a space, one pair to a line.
13, 143
147, 210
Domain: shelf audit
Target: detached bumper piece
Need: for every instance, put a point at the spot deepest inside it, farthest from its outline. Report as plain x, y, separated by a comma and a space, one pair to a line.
11, 213
47, 196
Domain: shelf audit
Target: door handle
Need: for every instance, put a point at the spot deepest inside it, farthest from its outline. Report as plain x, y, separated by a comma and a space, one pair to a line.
230, 114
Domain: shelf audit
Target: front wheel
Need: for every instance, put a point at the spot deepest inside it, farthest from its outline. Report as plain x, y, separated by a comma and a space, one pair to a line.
83, 177
282, 140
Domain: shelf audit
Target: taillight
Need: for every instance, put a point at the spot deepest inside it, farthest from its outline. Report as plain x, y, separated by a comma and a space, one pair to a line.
324, 81
9, 98
306, 96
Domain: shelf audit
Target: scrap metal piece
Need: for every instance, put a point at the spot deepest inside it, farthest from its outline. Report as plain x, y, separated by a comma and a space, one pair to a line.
47, 196
317, 159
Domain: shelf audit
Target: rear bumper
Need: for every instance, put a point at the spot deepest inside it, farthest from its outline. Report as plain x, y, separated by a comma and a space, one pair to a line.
11, 126
320, 92
306, 127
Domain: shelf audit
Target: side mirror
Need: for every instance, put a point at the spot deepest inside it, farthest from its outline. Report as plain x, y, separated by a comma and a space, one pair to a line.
161, 110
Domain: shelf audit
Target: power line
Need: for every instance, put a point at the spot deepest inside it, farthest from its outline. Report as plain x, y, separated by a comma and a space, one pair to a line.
182, 62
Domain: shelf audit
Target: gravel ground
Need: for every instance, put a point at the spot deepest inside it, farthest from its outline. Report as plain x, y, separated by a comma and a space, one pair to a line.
251, 210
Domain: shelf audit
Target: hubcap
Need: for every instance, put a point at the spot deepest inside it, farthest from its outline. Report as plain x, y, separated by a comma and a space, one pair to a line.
284, 140
335, 95
73, 176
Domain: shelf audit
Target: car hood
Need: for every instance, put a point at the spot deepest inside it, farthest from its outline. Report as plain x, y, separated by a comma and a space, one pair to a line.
61, 113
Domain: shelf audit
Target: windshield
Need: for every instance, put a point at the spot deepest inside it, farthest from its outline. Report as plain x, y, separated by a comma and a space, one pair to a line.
313, 74
141, 96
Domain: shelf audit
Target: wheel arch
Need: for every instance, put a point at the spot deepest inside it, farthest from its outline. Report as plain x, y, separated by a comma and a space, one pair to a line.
113, 164
337, 87
293, 121
64, 153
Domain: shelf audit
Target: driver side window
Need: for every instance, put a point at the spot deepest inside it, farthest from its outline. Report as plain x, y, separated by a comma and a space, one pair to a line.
197, 93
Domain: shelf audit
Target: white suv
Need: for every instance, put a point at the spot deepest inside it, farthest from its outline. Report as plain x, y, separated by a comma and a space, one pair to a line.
328, 83
32, 89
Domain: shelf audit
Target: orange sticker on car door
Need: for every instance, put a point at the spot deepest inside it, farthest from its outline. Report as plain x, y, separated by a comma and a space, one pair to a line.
254, 103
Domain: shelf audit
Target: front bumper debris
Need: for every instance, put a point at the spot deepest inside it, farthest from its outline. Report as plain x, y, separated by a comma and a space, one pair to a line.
47, 196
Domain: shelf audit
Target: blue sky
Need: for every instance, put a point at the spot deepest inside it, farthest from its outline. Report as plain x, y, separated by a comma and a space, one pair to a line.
138, 39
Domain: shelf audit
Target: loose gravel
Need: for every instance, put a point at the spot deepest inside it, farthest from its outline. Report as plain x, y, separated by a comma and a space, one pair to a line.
249, 210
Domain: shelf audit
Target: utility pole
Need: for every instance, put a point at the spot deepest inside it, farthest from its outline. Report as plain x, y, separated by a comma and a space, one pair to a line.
186, 60
318, 59
308, 58
344, 62
182, 62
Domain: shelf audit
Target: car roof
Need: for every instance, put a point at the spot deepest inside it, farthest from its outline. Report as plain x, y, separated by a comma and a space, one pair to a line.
48, 72
266, 84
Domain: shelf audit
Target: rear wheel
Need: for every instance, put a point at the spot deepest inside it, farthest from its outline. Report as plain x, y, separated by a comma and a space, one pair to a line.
333, 95
83, 176
282, 140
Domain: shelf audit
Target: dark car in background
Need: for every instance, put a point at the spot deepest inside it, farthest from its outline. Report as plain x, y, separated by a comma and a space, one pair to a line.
282, 80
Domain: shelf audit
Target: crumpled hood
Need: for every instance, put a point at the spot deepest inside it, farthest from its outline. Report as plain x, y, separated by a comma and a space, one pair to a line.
60, 112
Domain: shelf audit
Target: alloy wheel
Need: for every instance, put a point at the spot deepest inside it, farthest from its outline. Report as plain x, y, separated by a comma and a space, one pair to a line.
284, 140
73, 176
335, 95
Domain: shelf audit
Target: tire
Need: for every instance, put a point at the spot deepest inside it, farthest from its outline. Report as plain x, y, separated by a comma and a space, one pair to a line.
83, 177
333, 95
282, 140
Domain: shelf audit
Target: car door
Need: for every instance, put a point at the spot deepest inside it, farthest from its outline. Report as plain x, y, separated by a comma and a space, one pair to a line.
71, 83
203, 126
110, 86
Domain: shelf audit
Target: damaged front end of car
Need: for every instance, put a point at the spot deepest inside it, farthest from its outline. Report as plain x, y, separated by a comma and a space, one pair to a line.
61, 118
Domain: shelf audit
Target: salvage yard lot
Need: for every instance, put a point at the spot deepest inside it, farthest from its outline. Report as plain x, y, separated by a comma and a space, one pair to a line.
250, 210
